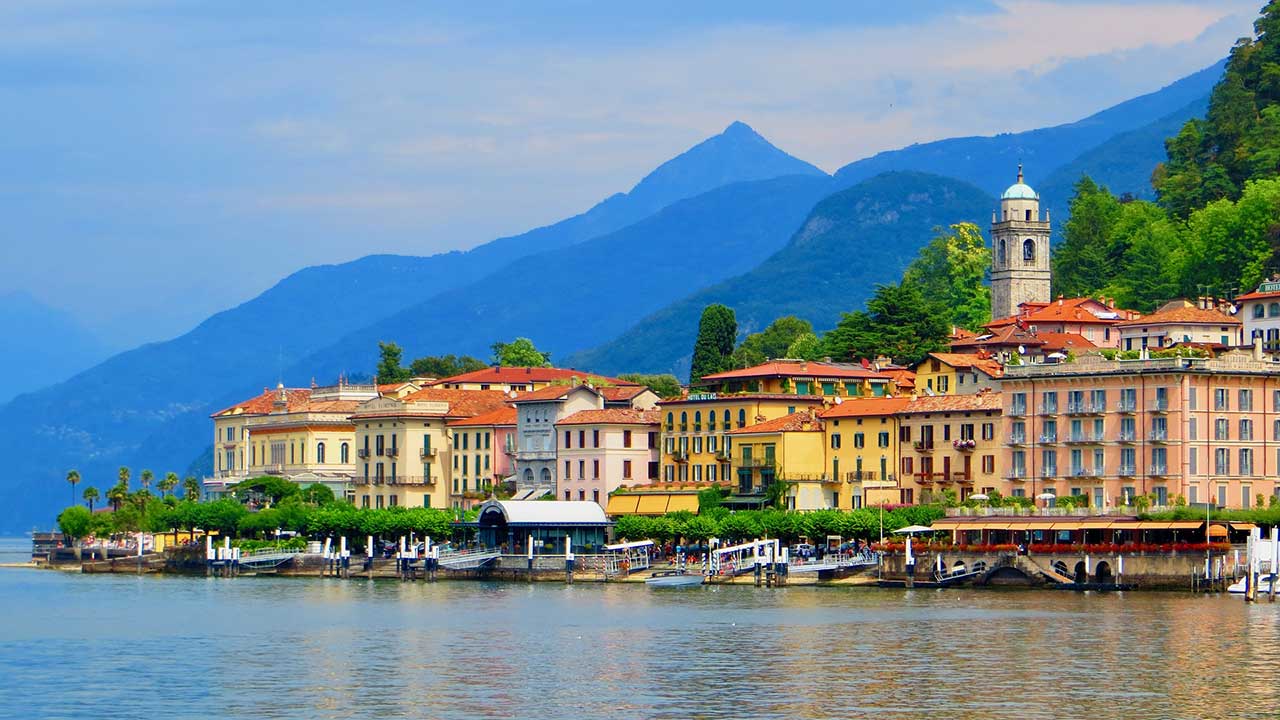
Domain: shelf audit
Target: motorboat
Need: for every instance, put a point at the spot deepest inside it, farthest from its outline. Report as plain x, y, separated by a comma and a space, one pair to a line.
1264, 585
673, 579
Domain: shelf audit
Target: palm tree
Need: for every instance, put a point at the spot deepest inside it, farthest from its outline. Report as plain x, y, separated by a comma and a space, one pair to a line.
191, 488
117, 494
73, 477
147, 477
90, 495
123, 476
167, 485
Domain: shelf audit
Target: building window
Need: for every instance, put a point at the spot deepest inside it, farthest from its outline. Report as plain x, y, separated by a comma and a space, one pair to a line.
1244, 398
1246, 429
742, 418
988, 464
884, 440
1246, 463
988, 431
595, 438
626, 438
320, 453
835, 440
1273, 310
858, 440
626, 469
1221, 430
567, 473
1221, 461
1221, 401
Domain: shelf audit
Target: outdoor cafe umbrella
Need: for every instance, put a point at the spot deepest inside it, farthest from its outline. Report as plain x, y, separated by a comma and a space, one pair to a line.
913, 529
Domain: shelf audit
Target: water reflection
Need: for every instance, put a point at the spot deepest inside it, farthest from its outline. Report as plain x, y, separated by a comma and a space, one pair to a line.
274, 648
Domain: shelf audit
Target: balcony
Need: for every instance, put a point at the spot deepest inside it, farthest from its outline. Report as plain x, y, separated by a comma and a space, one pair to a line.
1086, 408
923, 445
929, 477
362, 453
535, 454
1160, 406
1127, 437
393, 451
1017, 439
1127, 407
1128, 471
509, 448
1016, 476
1087, 472
1017, 410
1158, 436
962, 478
680, 456
1049, 473
1158, 471
428, 452
411, 479
1049, 409
1049, 439
723, 456
755, 462
964, 445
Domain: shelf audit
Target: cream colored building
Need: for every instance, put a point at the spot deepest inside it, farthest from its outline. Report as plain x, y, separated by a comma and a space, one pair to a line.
1182, 321
302, 434
601, 450
406, 453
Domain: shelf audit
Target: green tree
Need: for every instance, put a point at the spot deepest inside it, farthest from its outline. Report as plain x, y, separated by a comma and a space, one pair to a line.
899, 322
772, 342
389, 368
443, 366
146, 478
1234, 244
91, 496
665, 386
1083, 262
952, 268
317, 494
1152, 268
806, 347
168, 483
191, 489
73, 477
717, 332
520, 352
75, 522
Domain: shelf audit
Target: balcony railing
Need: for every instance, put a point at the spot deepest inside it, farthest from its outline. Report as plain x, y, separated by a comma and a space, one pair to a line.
428, 452
1160, 406
1127, 406
1128, 471
1018, 439
1049, 409
1086, 408
756, 462
1158, 470
393, 451
1017, 410
923, 445
1048, 473
1049, 439
1158, 436
1127, 437
1016, 475
362, 453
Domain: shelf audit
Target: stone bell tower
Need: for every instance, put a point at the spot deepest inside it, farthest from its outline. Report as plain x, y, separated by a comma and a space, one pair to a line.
1019, 251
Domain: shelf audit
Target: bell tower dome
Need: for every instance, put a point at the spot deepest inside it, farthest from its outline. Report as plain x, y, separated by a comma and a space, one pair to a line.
1019, 251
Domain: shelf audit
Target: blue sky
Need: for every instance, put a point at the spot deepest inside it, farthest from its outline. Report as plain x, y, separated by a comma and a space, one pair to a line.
162, 160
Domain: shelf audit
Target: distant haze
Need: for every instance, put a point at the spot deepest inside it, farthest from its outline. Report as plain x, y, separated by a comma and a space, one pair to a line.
160, 161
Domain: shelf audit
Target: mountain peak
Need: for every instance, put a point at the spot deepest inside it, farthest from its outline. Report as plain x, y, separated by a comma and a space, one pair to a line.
737, 128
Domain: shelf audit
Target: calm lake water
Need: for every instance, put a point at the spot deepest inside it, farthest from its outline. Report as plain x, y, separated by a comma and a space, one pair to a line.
76, 646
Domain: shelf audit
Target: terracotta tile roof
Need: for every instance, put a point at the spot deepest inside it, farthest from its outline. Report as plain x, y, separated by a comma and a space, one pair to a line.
865, 407
1184, 315
612, 416
263, 404
462, 403
622, 392
902, 379
802, 421
1057, 342
797, 368
505, 415
1010, 335
525, 375
552, 392
739, 397
952, 403
1256, 295
1066, 310
969, 361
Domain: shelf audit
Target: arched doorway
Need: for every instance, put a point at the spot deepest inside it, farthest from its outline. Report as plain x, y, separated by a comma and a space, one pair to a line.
1102, 573
1082, 575
528, 477
546, 477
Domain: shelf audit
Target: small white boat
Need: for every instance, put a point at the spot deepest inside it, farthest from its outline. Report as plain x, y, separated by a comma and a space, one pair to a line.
1264, 585
673, 578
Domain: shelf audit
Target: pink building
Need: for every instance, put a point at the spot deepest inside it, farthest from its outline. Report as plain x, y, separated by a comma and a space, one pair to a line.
491, 461
1094, 320
601, 450
1202, 430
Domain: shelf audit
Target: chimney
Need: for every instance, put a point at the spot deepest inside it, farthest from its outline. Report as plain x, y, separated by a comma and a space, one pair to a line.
1257, 347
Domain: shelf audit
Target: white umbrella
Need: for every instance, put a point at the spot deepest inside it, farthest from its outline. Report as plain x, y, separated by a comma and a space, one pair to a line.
1047, 496
979, 496
913, 529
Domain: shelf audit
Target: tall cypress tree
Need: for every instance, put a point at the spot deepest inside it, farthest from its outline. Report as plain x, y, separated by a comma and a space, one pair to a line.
717, 331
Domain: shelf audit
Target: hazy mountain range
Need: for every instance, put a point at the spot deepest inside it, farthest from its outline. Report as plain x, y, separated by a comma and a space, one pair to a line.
734, 219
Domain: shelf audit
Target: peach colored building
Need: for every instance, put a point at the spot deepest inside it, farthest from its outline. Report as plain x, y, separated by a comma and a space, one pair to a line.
602, 450
1094, 320
490, 462
1192, 428
949, 442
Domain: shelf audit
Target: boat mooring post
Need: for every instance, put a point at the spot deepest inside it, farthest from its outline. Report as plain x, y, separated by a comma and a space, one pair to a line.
326, 556
568, 559
529, 555
208, 554
368, 555
1275, 563
344, 557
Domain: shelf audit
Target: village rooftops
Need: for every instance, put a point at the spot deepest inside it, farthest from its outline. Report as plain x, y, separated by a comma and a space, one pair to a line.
798, 369
865, 407
434, 402
518, 375
503, 416
968, 361
977, 402
1238, 361
1182, 312
696, 398
1067, 311
803, 421
612, 416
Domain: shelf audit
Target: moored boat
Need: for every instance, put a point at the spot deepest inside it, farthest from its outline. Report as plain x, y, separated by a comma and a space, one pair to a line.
673, 578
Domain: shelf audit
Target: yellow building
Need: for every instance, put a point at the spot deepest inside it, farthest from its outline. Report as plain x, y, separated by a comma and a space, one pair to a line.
696, 444
956, 374
862, 450
786, 449
949, 442
302, 434
802, 377
406, 452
